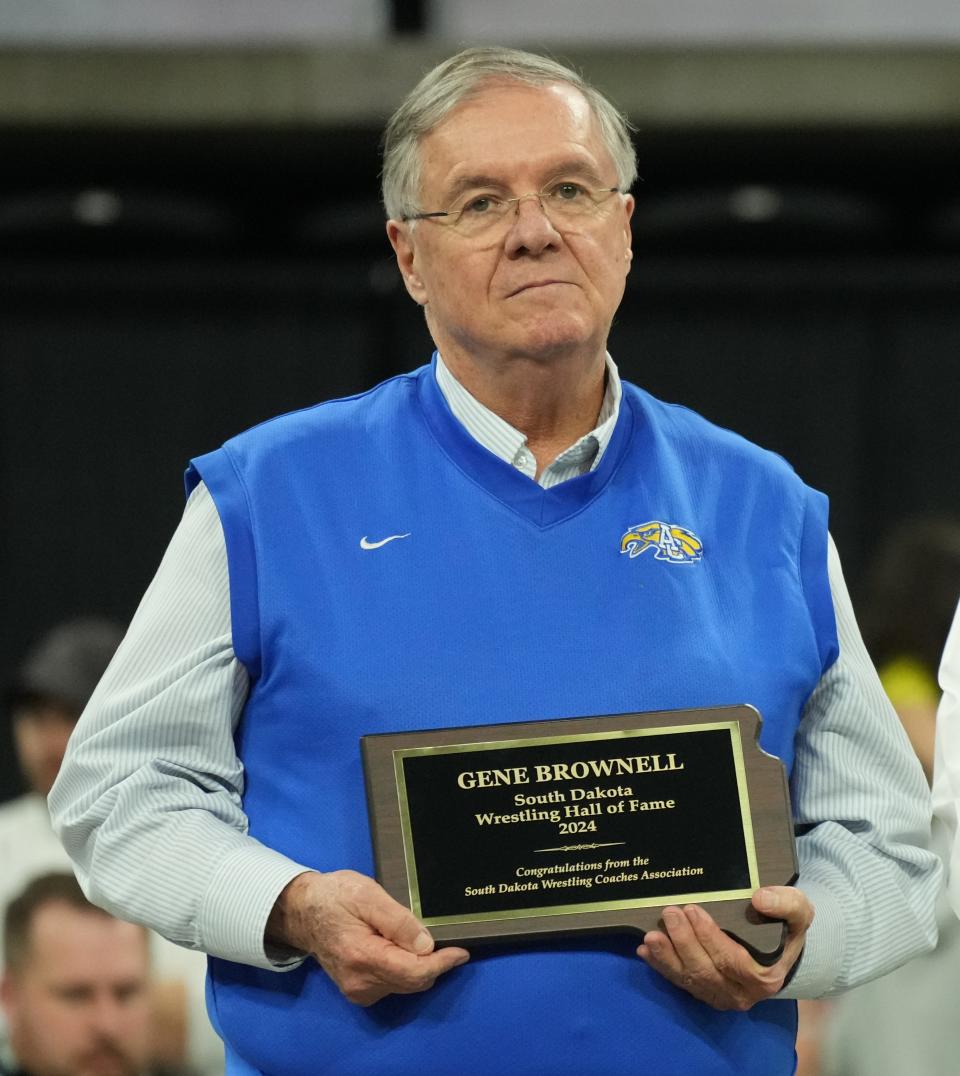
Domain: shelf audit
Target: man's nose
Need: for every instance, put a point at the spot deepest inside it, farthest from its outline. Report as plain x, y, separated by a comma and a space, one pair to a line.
108, 1016
531, 230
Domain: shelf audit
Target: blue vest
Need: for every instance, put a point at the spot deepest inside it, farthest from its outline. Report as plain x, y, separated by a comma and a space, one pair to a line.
503, 602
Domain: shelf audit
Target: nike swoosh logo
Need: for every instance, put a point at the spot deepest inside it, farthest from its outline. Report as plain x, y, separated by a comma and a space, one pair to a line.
365, 544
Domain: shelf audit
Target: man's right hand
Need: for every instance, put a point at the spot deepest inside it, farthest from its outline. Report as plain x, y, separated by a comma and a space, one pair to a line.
368, 943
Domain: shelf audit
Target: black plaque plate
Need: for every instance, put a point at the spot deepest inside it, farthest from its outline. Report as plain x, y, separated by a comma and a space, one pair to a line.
552, 828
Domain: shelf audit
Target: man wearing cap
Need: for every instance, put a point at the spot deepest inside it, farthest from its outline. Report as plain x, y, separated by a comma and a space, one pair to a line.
48, 692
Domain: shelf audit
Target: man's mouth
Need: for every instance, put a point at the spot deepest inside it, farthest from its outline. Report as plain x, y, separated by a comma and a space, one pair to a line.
534, 285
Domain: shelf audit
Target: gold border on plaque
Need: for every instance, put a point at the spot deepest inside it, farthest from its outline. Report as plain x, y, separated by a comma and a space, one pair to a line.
736, 746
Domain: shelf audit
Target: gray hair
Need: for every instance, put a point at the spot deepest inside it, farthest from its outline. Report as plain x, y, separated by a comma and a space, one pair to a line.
460, 77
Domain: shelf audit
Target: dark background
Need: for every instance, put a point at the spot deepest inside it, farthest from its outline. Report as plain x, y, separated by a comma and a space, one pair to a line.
227, 276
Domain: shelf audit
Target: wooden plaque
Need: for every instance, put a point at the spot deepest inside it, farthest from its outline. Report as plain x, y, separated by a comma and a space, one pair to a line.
545, 829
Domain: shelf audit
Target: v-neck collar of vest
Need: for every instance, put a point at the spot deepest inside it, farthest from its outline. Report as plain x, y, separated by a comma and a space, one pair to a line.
542, 507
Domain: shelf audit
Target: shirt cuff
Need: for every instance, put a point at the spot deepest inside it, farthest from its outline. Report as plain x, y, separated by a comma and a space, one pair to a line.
237, 905
821, 961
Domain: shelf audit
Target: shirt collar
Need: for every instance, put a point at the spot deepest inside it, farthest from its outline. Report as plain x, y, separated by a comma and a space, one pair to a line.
510, 444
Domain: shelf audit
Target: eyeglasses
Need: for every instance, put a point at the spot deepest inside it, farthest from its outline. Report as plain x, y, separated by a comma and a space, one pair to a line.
565, 204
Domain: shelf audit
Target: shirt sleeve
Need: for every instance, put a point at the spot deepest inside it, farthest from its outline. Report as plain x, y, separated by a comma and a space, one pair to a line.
946, 763
148, 800
862, 810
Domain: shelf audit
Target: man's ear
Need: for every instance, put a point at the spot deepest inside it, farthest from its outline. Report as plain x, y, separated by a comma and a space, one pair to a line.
401, 239
629, 204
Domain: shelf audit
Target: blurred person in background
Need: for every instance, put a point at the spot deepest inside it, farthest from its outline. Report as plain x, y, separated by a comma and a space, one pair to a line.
44, 701
75, 989
946, 779
48, 692
910, 592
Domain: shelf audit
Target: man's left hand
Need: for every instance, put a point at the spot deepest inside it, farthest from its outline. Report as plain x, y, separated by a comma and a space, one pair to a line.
697, 956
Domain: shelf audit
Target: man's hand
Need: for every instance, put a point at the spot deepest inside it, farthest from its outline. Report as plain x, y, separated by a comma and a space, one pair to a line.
369, 944
697, 956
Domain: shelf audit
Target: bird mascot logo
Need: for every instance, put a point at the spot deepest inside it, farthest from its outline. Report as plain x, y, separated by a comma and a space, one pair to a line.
671, 543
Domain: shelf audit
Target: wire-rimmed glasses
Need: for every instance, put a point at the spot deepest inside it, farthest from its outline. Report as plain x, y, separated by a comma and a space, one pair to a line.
565, 204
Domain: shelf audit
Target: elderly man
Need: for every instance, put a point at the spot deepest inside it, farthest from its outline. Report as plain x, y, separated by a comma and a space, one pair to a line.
446, 550
75, 989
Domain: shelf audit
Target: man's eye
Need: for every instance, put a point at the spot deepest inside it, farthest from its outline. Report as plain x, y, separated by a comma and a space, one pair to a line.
73, 995
482, 204
567, 192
